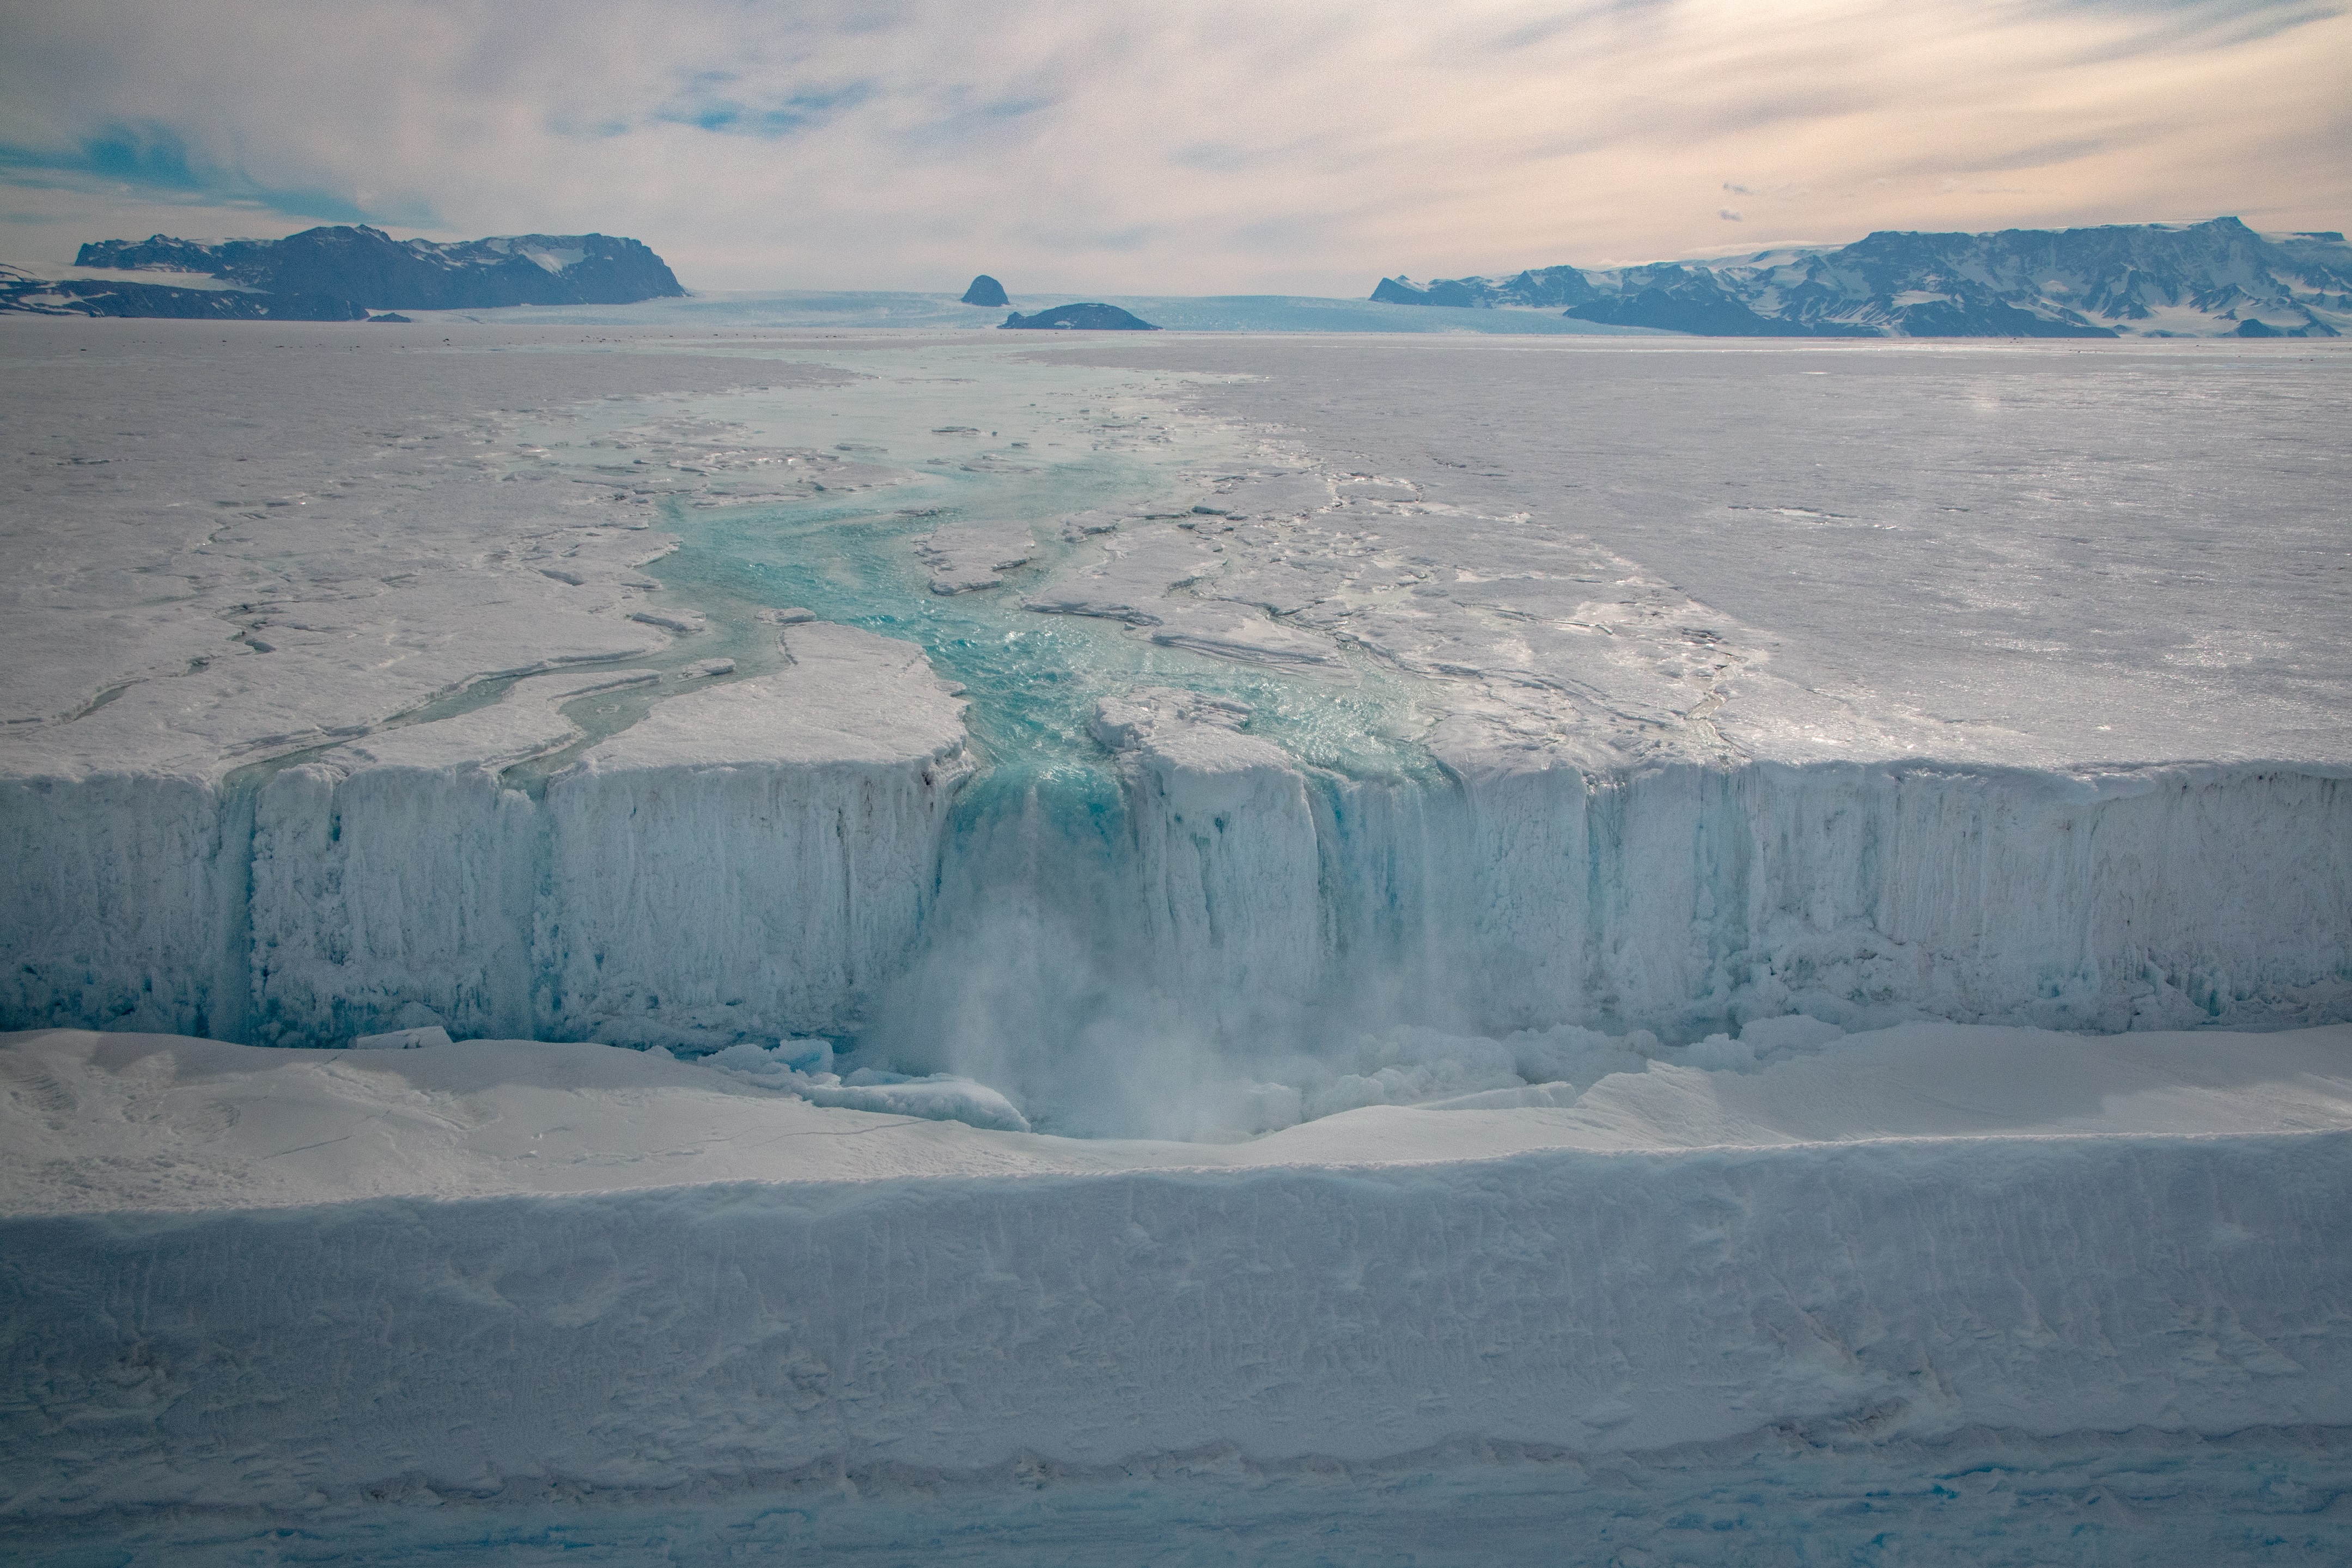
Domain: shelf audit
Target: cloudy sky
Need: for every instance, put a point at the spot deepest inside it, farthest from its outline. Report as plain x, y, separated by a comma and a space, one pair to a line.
1290, 146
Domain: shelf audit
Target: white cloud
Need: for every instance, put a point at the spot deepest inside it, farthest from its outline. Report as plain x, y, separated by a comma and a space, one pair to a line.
1203, 148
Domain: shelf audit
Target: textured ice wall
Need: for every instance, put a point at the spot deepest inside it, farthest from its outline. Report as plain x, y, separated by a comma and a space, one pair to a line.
746, 861
753, 860
1225, 855
1676, 895
391, 897
122, 908
1682, 895
778, 856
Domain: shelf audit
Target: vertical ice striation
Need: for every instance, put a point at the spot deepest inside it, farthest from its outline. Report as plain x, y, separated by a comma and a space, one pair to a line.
125, 902
394, 876
1685, 896
753, 859
750, 859
390, 897
799, 852
1228, 907
1226, 858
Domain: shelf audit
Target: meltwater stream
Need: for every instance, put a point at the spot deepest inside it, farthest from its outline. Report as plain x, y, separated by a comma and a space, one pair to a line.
1189, 896
1043, 966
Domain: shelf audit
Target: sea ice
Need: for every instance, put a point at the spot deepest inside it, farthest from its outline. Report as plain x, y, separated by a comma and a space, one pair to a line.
964, 556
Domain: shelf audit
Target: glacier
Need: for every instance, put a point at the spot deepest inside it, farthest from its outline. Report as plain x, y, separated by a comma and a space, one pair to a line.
1139, 742
1227, 900
1500, 860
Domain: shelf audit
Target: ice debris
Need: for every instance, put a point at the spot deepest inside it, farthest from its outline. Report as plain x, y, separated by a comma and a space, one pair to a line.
805, 1067
403, 1039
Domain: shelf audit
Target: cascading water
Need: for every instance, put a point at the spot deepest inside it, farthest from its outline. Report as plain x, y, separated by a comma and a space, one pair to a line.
1112, 928
1181, 885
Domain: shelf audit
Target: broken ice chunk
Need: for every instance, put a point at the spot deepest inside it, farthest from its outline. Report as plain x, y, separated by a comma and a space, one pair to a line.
1082, 525
403, 1039
803, 1067
1276, 495
1149, 715
1236, 631
682, 621
943, 1097
965, 557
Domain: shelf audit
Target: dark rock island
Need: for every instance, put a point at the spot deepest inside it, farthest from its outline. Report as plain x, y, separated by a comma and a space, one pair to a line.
2158, 280
984, 290
1082, 318
341, 273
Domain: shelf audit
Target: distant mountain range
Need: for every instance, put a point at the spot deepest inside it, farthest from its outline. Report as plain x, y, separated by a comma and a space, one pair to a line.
2155, 280
2194, 280
339, 274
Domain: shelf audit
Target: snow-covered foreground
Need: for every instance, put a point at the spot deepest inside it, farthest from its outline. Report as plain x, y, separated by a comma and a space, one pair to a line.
569, 1291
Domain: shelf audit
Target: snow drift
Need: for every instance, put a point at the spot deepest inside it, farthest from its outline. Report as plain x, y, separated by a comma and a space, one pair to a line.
273, 1277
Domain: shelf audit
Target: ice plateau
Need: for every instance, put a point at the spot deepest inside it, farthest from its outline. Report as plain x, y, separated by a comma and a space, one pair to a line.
428, 726
1456, 911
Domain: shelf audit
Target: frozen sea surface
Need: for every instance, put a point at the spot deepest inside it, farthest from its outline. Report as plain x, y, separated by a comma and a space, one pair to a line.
2049, 556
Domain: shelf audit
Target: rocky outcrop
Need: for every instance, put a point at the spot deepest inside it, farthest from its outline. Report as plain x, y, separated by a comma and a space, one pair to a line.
371, 268
340, 273
1548, 287
1693, 300
35, 295
1452, 291
1083, 319
984, 290
2209, 279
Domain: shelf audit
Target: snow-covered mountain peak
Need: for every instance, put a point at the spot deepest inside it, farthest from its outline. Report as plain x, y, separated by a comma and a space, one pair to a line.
2214, 278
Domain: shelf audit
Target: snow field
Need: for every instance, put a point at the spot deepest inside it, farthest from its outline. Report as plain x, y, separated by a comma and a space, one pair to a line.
262, 1278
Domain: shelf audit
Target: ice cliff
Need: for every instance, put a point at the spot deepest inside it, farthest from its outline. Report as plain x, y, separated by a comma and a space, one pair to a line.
750, 854
769, 857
